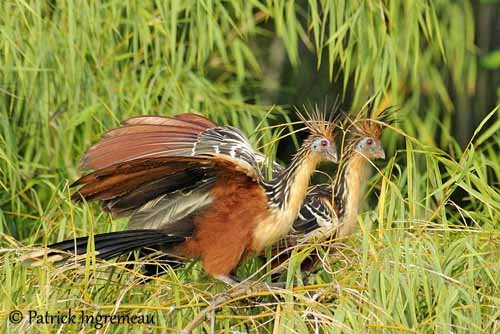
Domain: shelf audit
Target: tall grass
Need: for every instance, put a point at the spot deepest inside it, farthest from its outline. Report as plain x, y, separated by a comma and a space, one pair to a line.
426, 256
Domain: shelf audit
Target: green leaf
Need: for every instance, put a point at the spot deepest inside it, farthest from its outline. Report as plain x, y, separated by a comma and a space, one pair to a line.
491, 60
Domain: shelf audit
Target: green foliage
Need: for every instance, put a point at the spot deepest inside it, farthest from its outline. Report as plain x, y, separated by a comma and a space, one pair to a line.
425, 259
491, 60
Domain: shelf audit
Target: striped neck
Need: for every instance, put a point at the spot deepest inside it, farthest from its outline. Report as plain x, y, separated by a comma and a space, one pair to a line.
288, 189
348, 189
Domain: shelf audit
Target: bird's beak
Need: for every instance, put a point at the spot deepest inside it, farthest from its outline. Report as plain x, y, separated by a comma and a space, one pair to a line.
331, 154
380, 153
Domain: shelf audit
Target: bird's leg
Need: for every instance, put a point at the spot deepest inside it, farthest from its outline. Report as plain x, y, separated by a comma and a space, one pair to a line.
237, 285
230, 280
250, 286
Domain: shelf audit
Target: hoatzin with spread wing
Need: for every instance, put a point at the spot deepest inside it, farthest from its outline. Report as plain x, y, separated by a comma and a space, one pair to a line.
193, 189
326, 213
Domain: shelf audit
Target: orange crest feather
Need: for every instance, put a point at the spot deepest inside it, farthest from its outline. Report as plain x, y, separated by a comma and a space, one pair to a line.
373, 124
317, 121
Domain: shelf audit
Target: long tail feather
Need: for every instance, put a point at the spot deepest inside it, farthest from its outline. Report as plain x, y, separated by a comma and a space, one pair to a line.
107, 245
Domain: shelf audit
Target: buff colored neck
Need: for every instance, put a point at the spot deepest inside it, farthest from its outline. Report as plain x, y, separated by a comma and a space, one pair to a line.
356, 175
278, 224
298, 186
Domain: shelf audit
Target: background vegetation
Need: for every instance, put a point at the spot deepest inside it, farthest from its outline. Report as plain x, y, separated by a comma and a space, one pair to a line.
426, 258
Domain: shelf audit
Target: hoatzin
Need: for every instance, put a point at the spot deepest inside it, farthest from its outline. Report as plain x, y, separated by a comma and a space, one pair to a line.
317, 216
329, 214
194, 190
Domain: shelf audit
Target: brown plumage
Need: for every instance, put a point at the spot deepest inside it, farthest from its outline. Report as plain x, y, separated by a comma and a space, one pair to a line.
198, 185
224, 232
145, 136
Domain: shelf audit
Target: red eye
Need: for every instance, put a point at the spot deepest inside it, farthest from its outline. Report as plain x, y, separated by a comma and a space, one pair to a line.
324, 142
369, 141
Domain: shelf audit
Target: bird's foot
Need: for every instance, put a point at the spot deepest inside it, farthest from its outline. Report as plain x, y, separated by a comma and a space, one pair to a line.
249, 286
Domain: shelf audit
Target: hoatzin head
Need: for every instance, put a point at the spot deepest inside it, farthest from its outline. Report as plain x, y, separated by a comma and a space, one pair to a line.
367, 133
321, 140
370, 147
